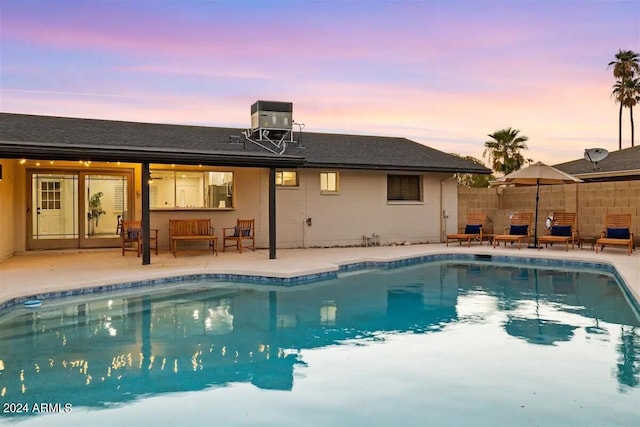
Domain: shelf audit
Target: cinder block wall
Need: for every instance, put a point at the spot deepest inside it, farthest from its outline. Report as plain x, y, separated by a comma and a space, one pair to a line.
591, 201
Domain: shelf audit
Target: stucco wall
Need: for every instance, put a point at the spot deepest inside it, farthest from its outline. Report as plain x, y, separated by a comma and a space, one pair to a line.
360, 208
7, 226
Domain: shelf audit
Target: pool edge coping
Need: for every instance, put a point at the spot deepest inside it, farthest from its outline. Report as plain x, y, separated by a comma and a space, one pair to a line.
328, 273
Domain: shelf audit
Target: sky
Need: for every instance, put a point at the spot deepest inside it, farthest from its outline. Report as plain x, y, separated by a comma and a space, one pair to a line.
444, 73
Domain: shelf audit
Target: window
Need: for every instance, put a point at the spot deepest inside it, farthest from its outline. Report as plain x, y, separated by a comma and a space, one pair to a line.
329, 182
286, 178
50, 195
189, 189
404, 188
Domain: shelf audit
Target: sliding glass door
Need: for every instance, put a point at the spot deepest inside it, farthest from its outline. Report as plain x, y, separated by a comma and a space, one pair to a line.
76, 209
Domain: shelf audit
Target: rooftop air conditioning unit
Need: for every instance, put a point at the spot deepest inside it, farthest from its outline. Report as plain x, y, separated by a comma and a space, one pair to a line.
271, 116
271, 125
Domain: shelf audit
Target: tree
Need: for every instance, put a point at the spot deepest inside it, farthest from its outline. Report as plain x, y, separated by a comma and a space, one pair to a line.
630, 99
473, 180
627, 94
625, 91
504, 150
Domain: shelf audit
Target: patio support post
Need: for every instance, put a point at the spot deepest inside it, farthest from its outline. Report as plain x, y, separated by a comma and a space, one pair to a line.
272, 213
146, 227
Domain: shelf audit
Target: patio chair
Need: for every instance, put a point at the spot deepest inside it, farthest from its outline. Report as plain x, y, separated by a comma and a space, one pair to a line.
243, 231
617, 232
131, 234
562, 230
518, 231
471, 231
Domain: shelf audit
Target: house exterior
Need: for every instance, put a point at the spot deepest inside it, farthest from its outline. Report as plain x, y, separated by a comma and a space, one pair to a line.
621, 165
66, 182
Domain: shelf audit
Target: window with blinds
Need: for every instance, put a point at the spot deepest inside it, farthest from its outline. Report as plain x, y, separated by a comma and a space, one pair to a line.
404, 188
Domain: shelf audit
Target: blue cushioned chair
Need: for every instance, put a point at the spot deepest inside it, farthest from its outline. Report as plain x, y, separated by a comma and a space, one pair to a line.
244, 230
131, 234
518, 231
562, 230
617, 232
473, 230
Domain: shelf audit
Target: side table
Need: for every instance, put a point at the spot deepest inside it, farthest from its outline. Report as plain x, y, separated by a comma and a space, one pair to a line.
589, 240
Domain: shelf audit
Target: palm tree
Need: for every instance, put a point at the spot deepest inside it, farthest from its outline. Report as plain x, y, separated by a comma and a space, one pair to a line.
625, 67
504, 150
627, 93
631, 99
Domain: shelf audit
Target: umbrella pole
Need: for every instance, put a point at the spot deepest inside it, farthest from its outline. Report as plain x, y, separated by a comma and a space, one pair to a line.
535, 224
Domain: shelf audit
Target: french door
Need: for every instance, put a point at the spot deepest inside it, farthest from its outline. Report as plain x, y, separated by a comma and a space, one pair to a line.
77, 209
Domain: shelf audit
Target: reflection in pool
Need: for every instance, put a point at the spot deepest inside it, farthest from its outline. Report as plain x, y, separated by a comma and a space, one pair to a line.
441, 343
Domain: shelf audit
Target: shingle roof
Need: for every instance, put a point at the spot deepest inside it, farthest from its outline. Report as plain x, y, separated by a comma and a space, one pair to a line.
24, 135
376, 152
625, 160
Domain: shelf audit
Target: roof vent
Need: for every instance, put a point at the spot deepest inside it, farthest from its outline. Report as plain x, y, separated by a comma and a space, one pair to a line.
271, 123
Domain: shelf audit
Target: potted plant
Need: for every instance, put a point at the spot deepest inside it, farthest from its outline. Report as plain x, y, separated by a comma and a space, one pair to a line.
95, 207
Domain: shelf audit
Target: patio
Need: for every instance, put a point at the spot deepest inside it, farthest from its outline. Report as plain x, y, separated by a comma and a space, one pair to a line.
39, 272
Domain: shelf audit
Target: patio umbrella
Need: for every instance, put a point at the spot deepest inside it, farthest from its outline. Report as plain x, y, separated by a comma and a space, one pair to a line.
536, 174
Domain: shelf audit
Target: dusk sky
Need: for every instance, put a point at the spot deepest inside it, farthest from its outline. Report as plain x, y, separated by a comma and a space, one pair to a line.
444, 73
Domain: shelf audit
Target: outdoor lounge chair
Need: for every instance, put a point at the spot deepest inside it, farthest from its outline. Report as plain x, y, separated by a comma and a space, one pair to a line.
471, 231
562, 230
244, 230
131, 234
617, 232
518, 231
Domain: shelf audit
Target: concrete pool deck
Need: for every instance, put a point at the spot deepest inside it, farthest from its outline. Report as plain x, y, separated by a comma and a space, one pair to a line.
35, 273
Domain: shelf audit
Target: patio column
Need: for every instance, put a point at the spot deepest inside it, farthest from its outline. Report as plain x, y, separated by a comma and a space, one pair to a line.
272, 213
146, 227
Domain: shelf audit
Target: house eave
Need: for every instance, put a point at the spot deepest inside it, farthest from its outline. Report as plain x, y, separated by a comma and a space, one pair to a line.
443, 169
16, 150
607, 174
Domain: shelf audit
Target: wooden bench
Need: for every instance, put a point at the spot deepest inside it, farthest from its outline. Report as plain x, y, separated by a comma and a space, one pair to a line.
192, 229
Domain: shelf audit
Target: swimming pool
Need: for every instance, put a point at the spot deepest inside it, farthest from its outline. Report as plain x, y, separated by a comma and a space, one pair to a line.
444, 343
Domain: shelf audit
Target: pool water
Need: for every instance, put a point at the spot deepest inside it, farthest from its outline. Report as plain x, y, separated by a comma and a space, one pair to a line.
442, 344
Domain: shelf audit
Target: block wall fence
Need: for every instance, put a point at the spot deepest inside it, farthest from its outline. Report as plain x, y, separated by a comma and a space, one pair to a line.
590, 201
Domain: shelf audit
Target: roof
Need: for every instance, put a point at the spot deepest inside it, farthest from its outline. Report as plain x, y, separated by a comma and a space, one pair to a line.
49, 137
377, 152
621, 164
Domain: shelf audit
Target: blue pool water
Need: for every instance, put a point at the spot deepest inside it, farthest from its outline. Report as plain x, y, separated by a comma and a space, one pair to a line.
442, 344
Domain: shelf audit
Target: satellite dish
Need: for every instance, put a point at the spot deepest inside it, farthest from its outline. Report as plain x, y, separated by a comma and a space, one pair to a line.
595, 155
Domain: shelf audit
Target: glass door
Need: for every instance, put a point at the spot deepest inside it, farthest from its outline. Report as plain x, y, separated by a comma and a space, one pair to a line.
54, 210
77, 209
105, 205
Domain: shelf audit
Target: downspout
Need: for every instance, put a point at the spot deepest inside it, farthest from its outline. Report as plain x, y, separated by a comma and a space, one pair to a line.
306, 220
444, 215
